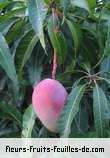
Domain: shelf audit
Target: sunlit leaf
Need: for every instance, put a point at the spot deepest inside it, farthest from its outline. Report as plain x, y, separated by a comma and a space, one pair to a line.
37, 12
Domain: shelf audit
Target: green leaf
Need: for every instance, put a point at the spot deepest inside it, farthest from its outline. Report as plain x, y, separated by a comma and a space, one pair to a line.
107, 43
5, 115
47, 1
11, 14
4, 4
34, 71
70, 110
28, 50
58, 41
14, 32
7, 62
65, 4
9, 133
101, 111
12, 112
82, 118
107, 81
6, 25
37, 12
105, 65
25, 31
90, 134
28, 122
24, 48
76, 34
105, 13
86, 4
35, 65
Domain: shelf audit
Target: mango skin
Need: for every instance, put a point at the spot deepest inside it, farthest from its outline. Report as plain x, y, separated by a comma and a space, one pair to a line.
48, 99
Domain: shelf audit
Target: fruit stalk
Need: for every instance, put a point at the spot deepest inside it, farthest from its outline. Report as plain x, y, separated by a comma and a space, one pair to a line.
54, 65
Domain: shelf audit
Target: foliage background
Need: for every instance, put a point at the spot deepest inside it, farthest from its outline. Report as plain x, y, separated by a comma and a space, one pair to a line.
80, 31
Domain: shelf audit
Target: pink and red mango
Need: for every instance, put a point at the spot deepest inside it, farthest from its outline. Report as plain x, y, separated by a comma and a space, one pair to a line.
48, 99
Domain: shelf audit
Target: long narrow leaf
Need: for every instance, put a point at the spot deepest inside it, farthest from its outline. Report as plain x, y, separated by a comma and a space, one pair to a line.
28, 51
76, 34
6, 60
37, 12
101, 111
70, 110
28, 122
24, 48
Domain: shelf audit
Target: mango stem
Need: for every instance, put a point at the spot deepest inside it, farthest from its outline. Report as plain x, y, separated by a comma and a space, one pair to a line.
54, 65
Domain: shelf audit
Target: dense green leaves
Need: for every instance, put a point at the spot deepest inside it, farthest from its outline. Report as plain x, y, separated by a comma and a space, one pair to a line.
76, 34
70, 110
101, 111
37, 12
11, 112
25, 48
2, 4
80, 32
